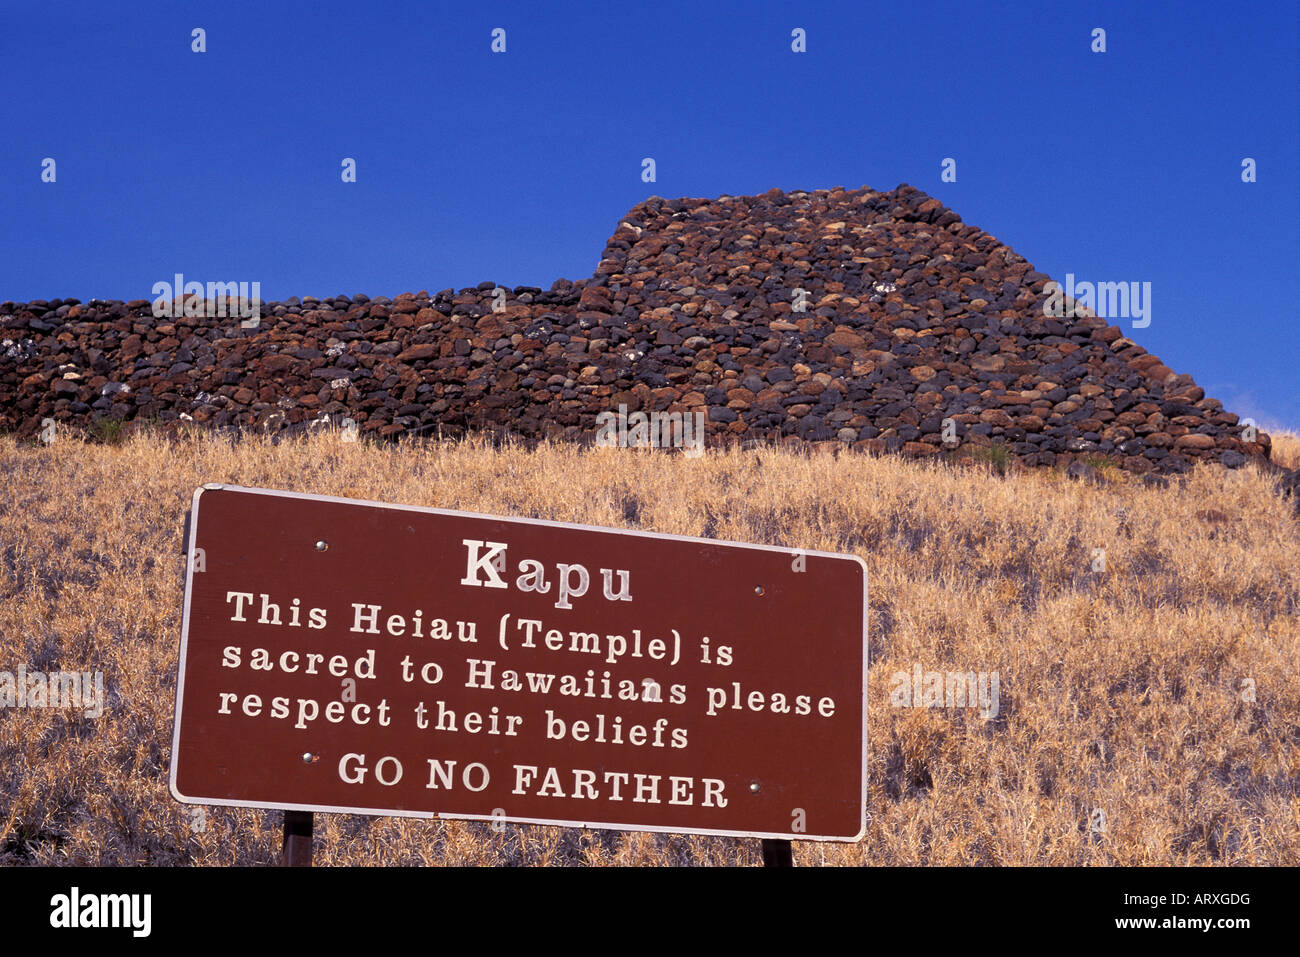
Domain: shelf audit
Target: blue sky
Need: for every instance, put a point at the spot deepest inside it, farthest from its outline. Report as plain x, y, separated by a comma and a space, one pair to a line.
515, 167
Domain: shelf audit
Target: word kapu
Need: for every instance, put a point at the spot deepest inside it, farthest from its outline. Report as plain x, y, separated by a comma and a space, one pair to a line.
656, 430
1110, 300
572, 581
960, 690
59, 689
198, 305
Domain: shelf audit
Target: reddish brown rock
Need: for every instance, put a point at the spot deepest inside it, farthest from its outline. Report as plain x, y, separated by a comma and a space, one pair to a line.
424, 350
1194, 441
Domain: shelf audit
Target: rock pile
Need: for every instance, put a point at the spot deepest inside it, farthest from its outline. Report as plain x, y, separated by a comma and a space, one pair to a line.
854, 318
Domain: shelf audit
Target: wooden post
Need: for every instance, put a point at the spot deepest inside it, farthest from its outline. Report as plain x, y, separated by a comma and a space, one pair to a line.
297, 838
778, 853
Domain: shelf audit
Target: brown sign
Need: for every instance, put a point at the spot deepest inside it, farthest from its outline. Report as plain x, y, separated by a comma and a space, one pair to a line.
339, 655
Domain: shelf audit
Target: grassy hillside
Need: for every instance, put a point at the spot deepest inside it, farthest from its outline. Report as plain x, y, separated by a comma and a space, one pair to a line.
1121, 690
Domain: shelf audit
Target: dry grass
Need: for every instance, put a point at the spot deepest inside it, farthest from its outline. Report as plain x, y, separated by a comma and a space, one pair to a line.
1286, 449
1121, 690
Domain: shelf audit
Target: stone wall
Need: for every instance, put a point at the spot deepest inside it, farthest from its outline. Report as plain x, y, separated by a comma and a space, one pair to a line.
853, 318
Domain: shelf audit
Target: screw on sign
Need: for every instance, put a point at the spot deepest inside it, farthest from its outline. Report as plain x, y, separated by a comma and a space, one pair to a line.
358, 657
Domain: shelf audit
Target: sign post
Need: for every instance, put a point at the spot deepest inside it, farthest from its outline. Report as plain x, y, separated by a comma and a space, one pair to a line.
357, 657
298, 827
778, 853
